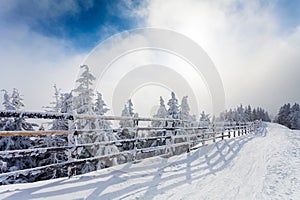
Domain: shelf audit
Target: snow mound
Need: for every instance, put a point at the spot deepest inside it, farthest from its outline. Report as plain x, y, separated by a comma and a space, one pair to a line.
264, 165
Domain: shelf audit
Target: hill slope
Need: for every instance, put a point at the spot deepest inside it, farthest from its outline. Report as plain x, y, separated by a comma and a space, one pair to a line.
261, 166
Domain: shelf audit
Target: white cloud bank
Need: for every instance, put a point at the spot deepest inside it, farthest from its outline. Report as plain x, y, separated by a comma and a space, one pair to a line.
33, 63
258, 61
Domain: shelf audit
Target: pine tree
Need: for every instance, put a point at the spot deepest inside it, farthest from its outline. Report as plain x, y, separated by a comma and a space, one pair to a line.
14, 102
173, 110
7, 102
126, 129
185, 109
204, 119
294, 117
126, 123
231, 116
83, 101
130, 108
161, 113
240, 117
100, 106
266, 117
55, 106
283, 115
254, 114
92, 129
67, 103
248, 114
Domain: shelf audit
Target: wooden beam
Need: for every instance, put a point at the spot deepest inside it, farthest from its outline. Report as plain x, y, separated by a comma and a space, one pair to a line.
33, 133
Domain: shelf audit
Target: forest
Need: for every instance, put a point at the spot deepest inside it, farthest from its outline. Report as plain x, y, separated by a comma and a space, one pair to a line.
83, 101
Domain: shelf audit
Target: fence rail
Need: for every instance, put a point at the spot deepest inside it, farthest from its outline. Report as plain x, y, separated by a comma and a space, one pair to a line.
171, 139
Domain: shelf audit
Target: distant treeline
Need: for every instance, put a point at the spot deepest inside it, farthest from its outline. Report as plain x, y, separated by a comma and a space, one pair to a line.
289, 116
245, 114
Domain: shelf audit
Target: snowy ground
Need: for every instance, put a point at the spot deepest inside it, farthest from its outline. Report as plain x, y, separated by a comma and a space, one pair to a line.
261, 166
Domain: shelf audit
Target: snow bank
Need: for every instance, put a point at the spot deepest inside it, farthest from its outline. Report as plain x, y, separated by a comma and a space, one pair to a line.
261, 166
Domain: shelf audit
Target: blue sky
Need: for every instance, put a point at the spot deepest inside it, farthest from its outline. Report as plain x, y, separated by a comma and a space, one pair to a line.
83, 23
45, 41
287, 13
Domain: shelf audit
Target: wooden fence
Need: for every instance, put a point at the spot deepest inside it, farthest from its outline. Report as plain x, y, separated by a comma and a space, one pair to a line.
170, 140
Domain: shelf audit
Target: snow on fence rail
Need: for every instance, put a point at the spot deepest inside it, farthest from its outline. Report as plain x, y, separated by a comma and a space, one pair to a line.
173, 140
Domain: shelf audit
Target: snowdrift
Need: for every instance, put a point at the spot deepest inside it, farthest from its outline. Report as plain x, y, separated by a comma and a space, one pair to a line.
264, 165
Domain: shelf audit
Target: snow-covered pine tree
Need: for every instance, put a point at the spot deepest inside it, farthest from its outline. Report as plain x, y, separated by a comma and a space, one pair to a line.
248, 114
105, 133
100, 108
266, 117
240, 117
66, 107
184, 112
230, 116
54, 140
161, 113
14, 102
130, 108
173, 111
283, 115
55, 106
6, 101
91, 130
294, 117
83, 102
204, 119
127, 131
254, 114
126, 123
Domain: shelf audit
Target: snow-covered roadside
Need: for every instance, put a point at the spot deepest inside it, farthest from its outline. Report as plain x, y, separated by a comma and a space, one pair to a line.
262, 166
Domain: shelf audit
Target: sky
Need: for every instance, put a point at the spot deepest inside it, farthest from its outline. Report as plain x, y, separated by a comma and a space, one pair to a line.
254, 45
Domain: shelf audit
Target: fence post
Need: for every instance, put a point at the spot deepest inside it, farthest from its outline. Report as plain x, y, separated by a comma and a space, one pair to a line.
213, 133
72, 153
242, 130
222, 135
134, 154
188, 139
233, 131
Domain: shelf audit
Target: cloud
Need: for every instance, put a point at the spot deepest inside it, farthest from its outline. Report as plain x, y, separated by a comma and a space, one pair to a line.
33, 63
34, 56
256, 59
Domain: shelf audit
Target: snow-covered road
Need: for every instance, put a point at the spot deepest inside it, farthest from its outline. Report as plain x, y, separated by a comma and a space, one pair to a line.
261, 166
